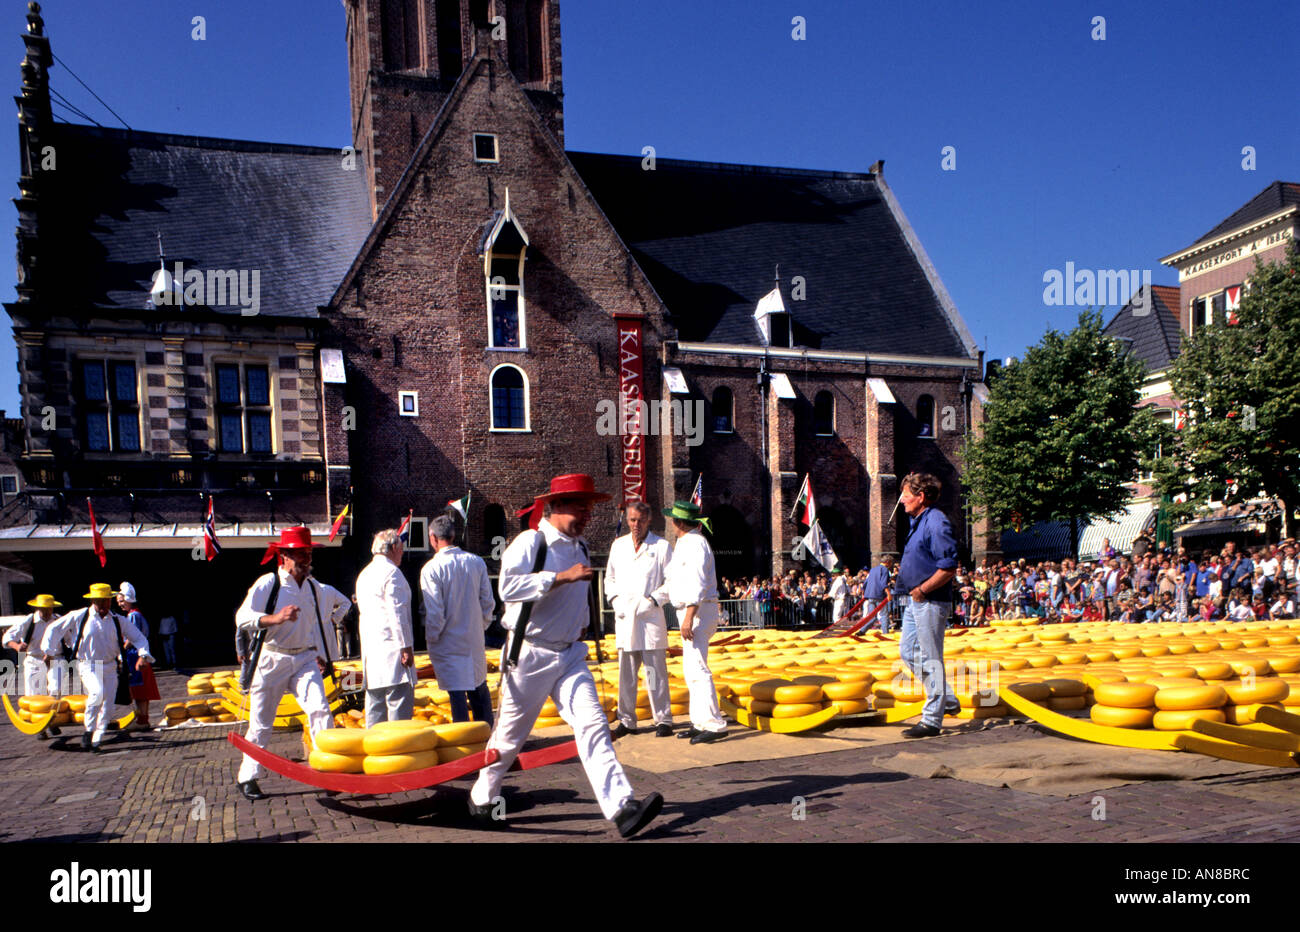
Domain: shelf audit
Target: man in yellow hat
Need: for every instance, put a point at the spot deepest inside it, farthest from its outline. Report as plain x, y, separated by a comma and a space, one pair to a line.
25, 638
94, 638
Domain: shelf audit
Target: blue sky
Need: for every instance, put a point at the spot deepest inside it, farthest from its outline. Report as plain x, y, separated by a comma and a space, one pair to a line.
1108, 154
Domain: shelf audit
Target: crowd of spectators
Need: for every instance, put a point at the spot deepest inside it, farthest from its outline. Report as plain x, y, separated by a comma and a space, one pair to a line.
1147, 584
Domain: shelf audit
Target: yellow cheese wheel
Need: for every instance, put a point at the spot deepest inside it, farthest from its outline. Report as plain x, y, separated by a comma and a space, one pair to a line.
334, 763
1181, 720
451, 752
1041, 660
676, 708
1122, 716
1013, 663
1124, 653
549, 709
679, 694
399, 741
1154, 650
79, 717
1063, 688
902, 690
549, 721
795, 709
1033, 691
39, 705
849, 690
1067, 703
1100, 656
341, 741
1072, 656
855, 676
1124, 696
977, 698
78, 703
205, 719
1246, 714
1175, 670
463, 732
1213, 670
1181, 698
1264, 689
1173, 682
851, 706
798, 694
1250, 666
398, 763
400, 724
765, 690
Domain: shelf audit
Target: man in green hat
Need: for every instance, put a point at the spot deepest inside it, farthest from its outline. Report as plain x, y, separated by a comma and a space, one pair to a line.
693, 589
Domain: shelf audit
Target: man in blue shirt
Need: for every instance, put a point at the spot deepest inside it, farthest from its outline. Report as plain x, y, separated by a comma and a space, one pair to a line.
873, 591
924, 584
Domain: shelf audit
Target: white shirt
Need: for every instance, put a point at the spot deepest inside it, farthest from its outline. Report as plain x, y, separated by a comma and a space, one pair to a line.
293, 636
384, 600
839, 589
559, 616
632, 575
458, 607
692, 579
18, 632
99, 642
1269, 567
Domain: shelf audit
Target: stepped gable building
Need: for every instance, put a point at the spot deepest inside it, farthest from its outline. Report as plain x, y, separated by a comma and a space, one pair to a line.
454, 304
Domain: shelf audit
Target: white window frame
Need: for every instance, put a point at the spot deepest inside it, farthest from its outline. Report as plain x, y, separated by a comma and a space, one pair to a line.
423, 524
528, 406
401, 403
17, 486
496, 148
521, 304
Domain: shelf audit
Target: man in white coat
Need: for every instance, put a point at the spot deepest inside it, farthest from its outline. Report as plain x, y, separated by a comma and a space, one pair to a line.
93, 638
693, 589
295, 653
25, 638
551, 658
840, 594
387, 639
634, 585
458, 607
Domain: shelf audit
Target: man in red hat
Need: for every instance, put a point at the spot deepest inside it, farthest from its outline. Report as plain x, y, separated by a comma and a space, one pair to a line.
545, 591
293, 609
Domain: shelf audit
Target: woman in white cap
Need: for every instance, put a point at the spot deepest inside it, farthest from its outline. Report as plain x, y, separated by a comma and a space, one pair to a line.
144, 688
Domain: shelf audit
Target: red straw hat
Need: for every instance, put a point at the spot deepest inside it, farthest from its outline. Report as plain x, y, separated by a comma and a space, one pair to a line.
570, 485
291, 538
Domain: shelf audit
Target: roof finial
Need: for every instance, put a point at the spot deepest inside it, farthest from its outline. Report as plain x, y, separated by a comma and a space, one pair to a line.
35, 25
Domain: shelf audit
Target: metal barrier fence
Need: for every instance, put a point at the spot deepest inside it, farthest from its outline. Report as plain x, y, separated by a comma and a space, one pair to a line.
749, 613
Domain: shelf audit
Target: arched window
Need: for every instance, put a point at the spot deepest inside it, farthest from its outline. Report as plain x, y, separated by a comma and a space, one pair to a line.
503, 268
722, 410
925, 417
824, 414
509, 398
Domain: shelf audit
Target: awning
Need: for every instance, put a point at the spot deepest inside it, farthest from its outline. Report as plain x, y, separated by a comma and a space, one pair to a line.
31, 538
1045, 540
1210, 524
1122, 530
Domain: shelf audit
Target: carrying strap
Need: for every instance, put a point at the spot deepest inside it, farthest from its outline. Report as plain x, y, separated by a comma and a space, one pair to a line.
81, 633
320, 623
31, 627
517, 642
255, 646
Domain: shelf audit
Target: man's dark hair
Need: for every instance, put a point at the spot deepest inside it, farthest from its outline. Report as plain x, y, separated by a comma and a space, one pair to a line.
923, 484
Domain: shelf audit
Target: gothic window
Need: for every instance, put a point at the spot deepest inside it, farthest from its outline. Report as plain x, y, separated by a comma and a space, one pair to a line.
503, 269
509, 398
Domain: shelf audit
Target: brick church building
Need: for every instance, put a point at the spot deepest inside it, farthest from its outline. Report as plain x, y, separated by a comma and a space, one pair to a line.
453, 305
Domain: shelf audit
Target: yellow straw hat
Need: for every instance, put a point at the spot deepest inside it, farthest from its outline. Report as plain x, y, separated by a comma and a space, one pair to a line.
45, 601
100, 590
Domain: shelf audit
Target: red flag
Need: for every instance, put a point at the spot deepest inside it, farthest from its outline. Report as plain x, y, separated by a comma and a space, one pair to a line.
534, 512
338, 522
95, 536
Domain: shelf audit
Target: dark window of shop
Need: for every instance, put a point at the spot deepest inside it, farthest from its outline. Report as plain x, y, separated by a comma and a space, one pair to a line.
925, 417
243, 408
824, 414
109, 405
722, 410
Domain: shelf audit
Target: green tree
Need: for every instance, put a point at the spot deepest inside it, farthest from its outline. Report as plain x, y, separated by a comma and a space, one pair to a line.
1061, 435
1240, 385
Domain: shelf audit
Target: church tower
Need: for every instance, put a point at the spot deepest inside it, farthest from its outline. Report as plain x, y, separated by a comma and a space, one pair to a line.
404, 56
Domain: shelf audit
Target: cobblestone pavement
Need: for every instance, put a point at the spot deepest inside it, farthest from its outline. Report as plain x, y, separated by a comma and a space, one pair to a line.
178, 786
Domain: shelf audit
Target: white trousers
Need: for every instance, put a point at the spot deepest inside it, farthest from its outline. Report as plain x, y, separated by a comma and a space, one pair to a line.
705, 714
656, 684
34, 679
99, 680
394, 703
564, 677
277, 674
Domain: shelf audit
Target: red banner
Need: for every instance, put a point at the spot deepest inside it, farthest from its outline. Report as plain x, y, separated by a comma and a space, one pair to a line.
631, 397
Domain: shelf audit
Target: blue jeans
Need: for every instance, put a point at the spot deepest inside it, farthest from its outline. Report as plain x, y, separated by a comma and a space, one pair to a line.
921, 649
463, 700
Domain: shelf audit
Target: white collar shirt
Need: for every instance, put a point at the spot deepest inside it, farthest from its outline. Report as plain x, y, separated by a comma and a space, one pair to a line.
692, 579
99, 641
31, 636
304, 633
560, 614
384, 602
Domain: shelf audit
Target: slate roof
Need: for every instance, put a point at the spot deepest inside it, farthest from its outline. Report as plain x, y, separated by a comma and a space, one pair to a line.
1276, 196
1155, 337
709, 236
291, 212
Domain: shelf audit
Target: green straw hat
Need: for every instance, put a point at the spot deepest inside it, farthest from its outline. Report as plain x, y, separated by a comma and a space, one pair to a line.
688, 511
